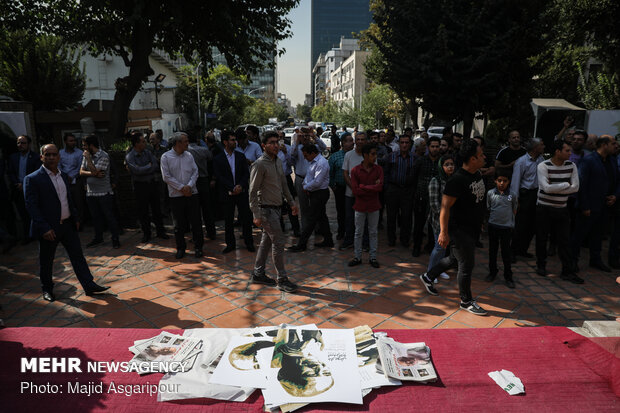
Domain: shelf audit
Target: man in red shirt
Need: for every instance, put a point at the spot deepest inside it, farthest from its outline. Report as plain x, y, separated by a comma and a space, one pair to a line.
366, 184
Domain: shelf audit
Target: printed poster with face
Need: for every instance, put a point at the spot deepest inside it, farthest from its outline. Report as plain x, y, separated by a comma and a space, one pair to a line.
239, 365
310, 366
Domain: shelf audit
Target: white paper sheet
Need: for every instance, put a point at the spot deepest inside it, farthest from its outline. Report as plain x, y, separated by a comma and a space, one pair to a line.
508, 381
239, 365
314, 366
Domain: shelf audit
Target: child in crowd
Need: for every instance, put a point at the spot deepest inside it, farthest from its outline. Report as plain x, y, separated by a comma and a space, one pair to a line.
502, 206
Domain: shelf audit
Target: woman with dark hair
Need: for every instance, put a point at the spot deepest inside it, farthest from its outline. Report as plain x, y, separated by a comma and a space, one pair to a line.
435, 191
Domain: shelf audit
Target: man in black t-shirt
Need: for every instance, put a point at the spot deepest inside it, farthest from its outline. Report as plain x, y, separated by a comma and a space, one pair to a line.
462, 210
507, 157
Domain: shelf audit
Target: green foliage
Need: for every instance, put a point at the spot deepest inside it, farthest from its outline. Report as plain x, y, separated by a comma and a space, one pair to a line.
260, 111
246, 32
121, 146
456, 57
599, 90
40, 69
375, 105
221, 92
327, 112
304, 112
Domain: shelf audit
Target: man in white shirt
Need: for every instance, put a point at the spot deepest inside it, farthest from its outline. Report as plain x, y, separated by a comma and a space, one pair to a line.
180, 172
54, 220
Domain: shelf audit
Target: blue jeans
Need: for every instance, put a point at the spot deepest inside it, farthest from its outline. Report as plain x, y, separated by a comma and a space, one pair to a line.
437, 254
361, 218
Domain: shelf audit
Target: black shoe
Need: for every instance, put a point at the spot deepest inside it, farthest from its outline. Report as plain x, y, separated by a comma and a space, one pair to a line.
473, 308
145, 239
572, 278
48, 296
116, 244
180, 254
296, 248
415, 252
428, 284
354, 262
345, 246
600, 265
325, 244
95, 289
228, 249
490, 278
250, 248
198, 253
94, 243
285, 285
542, 271
509, 283
163, 235
262, 279
374, 263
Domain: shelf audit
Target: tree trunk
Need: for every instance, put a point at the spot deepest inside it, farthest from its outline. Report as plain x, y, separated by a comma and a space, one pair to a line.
127, 87
468, 123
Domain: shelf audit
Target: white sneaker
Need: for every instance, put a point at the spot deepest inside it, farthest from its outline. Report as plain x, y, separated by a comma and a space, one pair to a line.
444, 276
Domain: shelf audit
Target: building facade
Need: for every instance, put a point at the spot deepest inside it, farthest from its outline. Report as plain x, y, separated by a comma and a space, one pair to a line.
331, 20
348, 81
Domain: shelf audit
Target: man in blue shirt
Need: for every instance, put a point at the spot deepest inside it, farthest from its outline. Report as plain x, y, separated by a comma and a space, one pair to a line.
250, 149
315, 185
524, 186
70, 163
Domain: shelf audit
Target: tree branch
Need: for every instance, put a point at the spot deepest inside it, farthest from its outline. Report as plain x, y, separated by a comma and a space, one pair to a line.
123, 53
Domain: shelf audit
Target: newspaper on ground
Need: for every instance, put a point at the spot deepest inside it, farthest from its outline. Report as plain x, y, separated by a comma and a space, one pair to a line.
405, 361
367, 358
508, 381
164, 352
313, 366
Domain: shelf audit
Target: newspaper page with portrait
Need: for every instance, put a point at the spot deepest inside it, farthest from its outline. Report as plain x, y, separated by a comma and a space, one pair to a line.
367, 358
405, 361
239, 365
313, 366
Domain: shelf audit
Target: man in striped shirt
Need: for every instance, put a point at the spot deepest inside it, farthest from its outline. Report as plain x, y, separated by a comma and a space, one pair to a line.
557, 179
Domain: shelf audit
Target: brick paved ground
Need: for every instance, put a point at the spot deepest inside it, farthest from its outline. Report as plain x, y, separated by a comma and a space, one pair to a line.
153, 289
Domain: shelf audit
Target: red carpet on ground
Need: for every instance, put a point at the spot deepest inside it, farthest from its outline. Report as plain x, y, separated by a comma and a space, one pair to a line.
562, 372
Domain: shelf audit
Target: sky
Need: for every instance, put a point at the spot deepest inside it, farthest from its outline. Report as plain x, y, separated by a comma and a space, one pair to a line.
294, 65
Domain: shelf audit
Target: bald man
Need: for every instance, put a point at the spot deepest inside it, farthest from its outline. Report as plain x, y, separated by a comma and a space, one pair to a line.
54, 220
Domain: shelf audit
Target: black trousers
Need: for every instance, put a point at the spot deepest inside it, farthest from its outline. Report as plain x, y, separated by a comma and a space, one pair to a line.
462, 254
525, 220
399, 203
500, 236
317, 216
78, 194
204, 195
243, 207
287, 208
592, 228
557, 222
20, 204
103, 211
67, 236
186, 212
421, 208
147, 196
341, 212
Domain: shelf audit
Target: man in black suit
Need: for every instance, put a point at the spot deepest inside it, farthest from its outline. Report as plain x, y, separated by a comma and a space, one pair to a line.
22, 163
232, 174
54, 220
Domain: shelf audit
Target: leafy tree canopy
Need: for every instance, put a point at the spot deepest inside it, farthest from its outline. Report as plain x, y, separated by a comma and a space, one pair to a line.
40, 69
246, 32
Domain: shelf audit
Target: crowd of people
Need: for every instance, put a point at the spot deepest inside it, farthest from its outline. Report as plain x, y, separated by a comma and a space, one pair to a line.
438, 193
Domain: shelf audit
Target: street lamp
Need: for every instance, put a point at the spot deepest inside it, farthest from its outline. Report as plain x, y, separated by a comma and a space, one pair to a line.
254, 90
160, 78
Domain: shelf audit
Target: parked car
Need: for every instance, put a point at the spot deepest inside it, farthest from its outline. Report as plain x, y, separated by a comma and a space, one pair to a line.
288, 135
328, 142
435, 131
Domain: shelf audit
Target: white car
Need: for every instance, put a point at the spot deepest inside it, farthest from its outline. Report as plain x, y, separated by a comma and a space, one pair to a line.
328, 142
435, 131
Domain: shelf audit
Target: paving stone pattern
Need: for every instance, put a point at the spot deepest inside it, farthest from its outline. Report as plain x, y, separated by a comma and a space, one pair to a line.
151, 289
